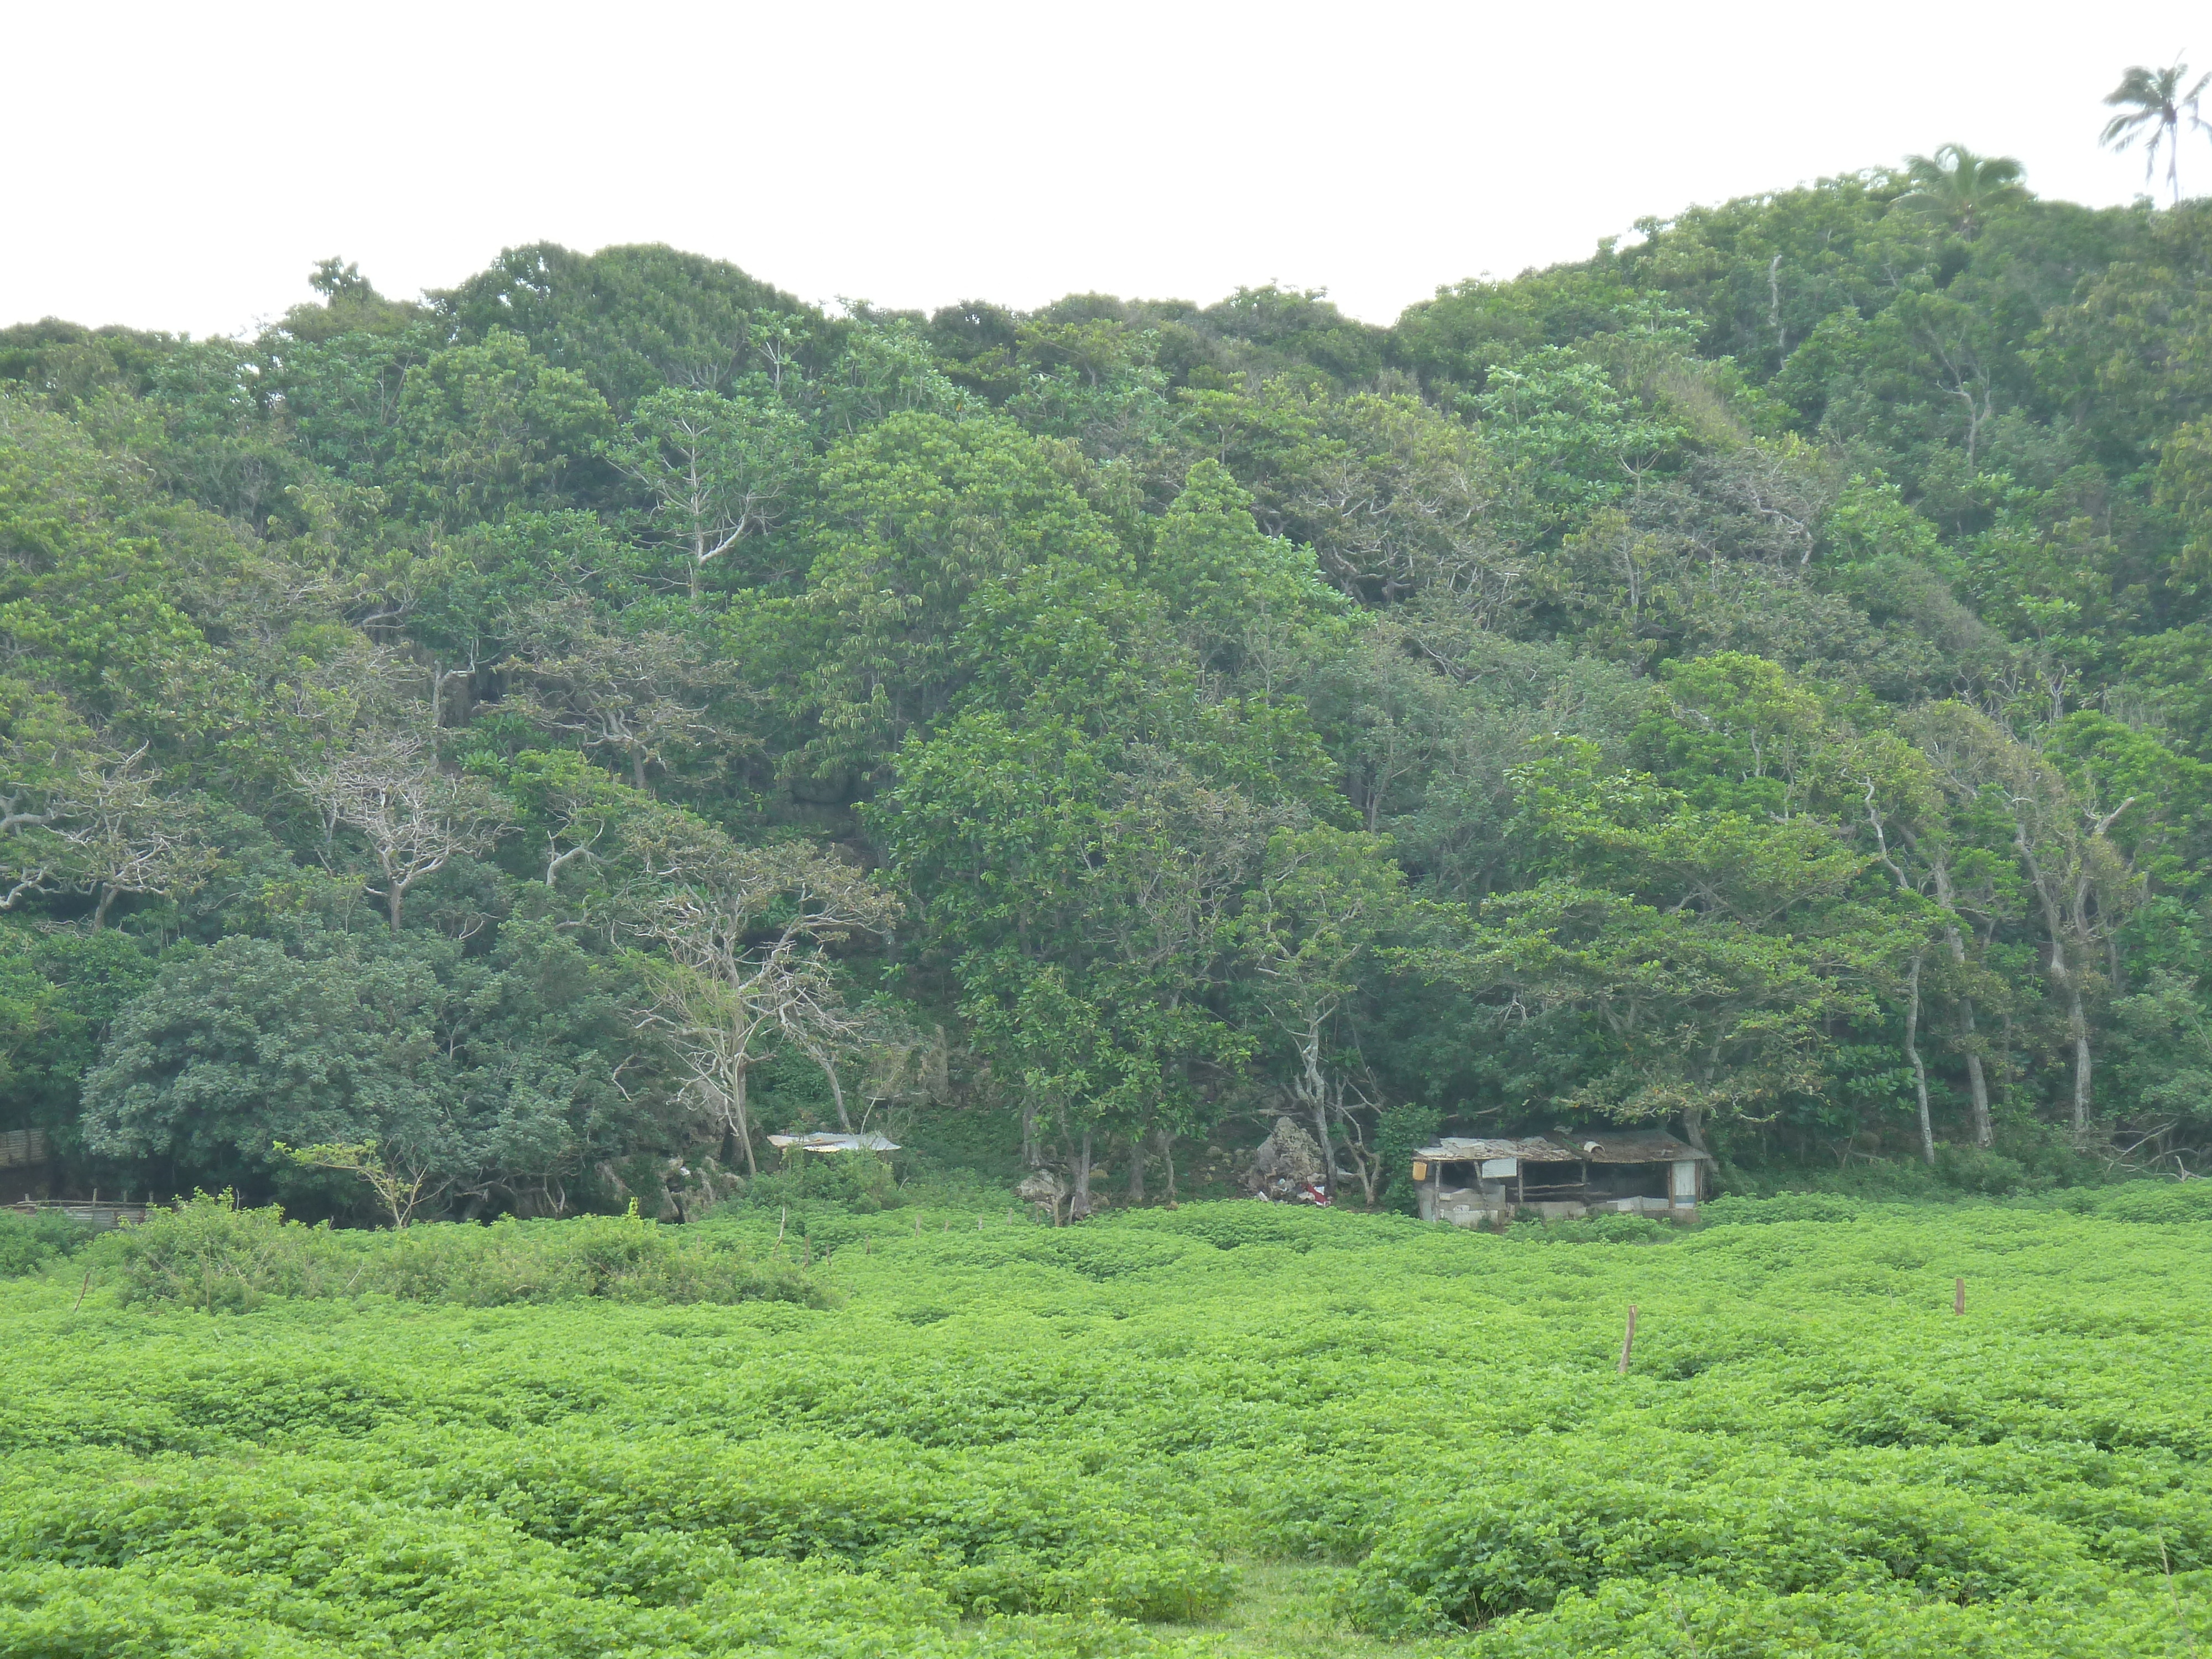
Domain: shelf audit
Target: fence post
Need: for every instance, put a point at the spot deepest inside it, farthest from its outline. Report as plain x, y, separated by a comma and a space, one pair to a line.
1628, 1342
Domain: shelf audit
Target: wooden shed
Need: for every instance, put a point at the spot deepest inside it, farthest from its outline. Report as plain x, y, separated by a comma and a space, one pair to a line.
1468, 1182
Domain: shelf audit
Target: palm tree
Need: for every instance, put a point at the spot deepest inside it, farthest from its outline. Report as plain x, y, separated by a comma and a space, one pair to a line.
2155, 104
1961, 186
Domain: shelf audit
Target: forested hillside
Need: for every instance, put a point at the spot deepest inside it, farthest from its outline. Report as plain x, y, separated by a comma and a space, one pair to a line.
556, 732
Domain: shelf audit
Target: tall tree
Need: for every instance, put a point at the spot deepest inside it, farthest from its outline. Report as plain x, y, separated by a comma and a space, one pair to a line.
719, 470
743, 940
1962, 188
1324, 899
415, 817
2080, 879
2156, 104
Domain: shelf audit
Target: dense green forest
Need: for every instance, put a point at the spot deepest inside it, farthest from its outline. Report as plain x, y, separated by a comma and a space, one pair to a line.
557, 731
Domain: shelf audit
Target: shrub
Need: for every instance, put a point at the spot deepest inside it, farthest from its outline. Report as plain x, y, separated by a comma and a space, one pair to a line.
620, 1258
1783, 1207
2164, 1202
211, 1254
29, 1243
214, 1256
1977, 1170
1521, 1544
857, 1183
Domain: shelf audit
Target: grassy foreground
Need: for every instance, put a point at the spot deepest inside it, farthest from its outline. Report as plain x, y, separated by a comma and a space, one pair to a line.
1229, 1429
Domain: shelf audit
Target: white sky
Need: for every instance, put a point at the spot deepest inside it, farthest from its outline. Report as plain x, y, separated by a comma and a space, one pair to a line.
182, 167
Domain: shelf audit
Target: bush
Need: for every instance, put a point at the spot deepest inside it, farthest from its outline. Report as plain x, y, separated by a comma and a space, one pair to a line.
1783, 1207
29, 1243
1598, 1230
620, 1258
1403, 1130
855, 1183
214, 1256
1978, 1170
1521, 1544
2157, 1201
211, 1254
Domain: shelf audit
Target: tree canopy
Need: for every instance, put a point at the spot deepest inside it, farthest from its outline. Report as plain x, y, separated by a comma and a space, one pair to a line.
552, 733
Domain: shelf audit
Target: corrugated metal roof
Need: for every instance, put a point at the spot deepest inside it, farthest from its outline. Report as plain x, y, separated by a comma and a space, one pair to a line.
1535, 1150
1608, 1146
1635, 1146
870, 1142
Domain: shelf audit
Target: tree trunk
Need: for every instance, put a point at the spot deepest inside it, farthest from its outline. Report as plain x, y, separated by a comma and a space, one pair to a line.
1167, 1157
2077, 1021
1137, 1167
1694, 1127
740, 1122
99, 910
1315, 1087
1978, 1081
2067, 976
1080, 1205
1912, 1053
836, 1093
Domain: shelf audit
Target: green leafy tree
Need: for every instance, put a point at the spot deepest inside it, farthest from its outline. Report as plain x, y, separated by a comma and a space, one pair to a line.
1325, 899
719, 470
490, 1074
483, 427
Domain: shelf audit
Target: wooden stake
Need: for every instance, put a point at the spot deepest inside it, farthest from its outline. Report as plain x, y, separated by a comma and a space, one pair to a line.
779, 1220
80, 1289
2179, 1617
1628, 1342
1958, 1296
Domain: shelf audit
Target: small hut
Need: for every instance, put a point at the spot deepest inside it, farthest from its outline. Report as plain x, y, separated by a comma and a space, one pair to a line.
1599, 1172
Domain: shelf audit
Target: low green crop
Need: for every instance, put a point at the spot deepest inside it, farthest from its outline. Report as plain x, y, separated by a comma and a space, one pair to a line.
600, 1437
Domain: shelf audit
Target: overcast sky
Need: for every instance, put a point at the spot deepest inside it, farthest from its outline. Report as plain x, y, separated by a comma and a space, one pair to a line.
182, 167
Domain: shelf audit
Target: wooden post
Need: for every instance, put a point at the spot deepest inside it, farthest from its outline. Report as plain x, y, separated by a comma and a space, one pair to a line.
1958, 1296
1628, 1342
779, 1220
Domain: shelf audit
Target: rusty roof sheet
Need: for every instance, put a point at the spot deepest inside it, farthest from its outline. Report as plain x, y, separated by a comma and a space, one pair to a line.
1536, 1149
1587, 1146
1633, 1146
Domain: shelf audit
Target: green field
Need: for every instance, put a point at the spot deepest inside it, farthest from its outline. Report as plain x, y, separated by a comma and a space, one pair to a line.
1227, 1429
